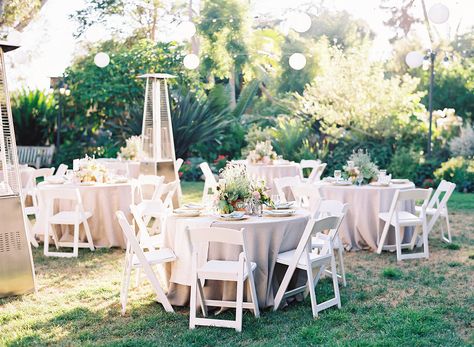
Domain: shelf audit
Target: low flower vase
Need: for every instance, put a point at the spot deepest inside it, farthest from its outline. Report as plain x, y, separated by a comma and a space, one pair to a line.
239, 205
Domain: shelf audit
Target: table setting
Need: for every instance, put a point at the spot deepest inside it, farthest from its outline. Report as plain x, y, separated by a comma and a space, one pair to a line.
368, 190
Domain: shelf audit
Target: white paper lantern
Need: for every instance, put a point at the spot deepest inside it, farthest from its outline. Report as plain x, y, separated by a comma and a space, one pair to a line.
297, 61
101, 59
299, 21
191, 61
186, 29
438, 13
414, 59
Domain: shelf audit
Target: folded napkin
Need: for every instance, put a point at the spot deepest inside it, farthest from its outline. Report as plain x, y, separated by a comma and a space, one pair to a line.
235, 214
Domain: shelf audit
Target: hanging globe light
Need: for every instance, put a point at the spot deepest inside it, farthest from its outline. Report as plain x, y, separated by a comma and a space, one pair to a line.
299, 21
438, 13
191, 61
414, 59
297, 61
186, 29
101, 59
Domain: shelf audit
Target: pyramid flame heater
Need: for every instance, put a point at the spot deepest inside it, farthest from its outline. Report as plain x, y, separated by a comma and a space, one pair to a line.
157, 132
16, 263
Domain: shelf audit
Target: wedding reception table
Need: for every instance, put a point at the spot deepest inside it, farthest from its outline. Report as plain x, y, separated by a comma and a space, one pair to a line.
361, 224
266, 237
270, 172
102, 200
127, 168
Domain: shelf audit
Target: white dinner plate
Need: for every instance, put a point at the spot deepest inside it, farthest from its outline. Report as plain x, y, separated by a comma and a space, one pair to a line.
342, 183
279, 213
400, 180
193, 206
186, 213
378, 184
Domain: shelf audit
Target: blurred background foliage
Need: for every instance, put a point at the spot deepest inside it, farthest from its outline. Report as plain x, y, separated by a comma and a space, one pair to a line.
244, 91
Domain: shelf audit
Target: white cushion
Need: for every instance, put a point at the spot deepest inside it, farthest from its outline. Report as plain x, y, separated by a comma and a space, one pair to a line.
287, 257
159, 256
223, 269
404, 218
68, 217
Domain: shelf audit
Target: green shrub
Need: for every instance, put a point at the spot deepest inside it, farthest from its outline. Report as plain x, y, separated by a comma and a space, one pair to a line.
457, 170
404, 164
190, 170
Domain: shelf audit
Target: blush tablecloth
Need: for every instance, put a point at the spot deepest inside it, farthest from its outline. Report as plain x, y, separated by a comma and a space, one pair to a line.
270, 172
102, 200
266, 237
361, 224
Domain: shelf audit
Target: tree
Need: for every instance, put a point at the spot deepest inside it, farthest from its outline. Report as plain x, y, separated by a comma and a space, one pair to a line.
17, 14
401, 17
223, 29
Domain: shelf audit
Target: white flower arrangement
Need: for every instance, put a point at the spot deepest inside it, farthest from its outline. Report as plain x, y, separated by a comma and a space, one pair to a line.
361, 160
262, 154
89, 170
132, 149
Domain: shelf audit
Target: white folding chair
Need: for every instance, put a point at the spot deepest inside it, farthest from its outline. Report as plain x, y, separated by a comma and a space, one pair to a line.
166, 193
75, 217
307, 196
221, 270
149, 186
316, 174
398, 218
308, 164
136, 258
210, 183
306, 258
31, 190
61, 171
178, 164
438, 207
332, 208
284, 183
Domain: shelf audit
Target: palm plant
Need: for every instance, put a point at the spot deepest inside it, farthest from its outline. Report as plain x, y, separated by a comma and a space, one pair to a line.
33, 117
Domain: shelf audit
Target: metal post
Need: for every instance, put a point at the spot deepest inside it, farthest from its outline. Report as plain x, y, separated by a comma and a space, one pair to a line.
430, 100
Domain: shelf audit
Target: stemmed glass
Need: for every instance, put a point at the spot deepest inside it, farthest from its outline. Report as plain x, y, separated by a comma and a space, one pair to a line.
360, 178
337, 175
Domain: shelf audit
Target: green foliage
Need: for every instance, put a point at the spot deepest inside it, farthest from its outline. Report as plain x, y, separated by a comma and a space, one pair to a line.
287, 137
195, 121
190, 170
458, 170
34, 116
404, 163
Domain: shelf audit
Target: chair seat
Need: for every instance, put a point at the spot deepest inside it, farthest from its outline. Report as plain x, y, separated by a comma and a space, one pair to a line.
31, 210
223, 270
287, 257
68, 217
159, 256
318, 242
431, 211
404, 218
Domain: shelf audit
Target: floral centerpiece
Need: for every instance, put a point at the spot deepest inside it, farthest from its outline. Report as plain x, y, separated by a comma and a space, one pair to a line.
262, 154
360, 163
233, 189
236, 191
89, 170
132, 149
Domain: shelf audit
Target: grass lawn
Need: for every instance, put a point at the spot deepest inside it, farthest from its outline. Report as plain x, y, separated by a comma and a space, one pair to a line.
418, 302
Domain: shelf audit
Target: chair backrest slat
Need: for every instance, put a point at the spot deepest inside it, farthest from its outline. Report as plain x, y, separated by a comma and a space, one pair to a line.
285, 182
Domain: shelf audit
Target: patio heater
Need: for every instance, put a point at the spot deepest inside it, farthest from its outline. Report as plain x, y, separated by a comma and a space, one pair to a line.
157, 131
16, 263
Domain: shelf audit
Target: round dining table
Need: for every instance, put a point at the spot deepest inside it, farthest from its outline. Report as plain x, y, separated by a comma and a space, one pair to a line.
265, 238
102, 200
361, 225
269, 172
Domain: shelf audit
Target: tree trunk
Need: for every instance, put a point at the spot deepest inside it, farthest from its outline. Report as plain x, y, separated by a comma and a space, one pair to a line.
233, 99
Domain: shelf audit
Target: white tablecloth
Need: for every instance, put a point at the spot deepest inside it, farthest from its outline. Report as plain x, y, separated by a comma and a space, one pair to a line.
360, 226
102, 200
266, 237
270, 172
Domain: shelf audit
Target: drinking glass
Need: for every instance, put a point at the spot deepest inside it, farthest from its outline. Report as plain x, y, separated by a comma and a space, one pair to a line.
337, 175
360, 178
276, 199
69, 175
